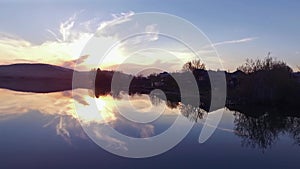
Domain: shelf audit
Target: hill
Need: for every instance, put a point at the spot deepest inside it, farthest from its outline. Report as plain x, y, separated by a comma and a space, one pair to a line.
35, 71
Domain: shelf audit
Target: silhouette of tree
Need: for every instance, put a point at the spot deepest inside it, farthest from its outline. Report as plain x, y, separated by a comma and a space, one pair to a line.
194, 64
267, 64
268, 81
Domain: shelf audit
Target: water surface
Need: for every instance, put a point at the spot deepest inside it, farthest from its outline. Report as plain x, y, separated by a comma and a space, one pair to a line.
43, 131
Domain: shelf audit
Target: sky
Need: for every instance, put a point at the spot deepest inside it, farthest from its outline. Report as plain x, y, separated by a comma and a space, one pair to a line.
54, 31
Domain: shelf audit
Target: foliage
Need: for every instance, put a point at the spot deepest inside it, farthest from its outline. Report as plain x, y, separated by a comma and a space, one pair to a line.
268, 82
268, 64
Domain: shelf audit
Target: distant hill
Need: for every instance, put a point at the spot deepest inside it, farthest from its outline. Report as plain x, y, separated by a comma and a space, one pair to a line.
42, 78
35, 71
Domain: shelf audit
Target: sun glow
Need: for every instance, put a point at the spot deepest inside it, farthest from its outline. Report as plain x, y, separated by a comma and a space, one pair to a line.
98, 110
65, 48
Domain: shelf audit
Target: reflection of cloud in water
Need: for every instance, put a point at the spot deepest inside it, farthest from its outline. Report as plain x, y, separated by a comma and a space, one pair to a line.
111, 141
17, 103
65, 121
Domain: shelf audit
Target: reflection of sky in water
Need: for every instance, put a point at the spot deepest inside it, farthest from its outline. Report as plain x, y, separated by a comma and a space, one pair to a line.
42, 131
60, 107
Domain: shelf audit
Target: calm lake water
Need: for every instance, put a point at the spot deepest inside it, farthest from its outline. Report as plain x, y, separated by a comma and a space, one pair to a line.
43, 131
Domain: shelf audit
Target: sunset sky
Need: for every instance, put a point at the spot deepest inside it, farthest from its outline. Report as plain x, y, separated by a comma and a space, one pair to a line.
55, 32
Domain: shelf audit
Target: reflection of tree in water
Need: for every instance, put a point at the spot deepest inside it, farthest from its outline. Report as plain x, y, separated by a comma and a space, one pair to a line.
294, 129
191, 112
254, 126
263, 131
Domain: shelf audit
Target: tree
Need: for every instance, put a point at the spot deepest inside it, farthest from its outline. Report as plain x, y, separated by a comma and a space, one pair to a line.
194, 64
268, 81
267, 64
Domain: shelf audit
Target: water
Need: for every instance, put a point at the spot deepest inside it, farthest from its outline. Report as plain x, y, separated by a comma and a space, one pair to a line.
43, 131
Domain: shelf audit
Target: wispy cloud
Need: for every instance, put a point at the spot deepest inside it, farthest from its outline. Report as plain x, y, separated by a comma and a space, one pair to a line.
67, 42
66, 46
249, 39
63, 49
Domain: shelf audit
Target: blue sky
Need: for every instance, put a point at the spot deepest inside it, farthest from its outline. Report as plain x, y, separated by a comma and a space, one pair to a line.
273, 25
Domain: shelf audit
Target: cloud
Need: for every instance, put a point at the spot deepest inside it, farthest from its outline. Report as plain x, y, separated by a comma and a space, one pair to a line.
235, 41
72, 63
65, 28
110, 27
130, 34
62, 49
68, 41
156, 67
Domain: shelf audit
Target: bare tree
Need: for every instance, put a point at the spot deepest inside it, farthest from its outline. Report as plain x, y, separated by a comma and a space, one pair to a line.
192, 65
